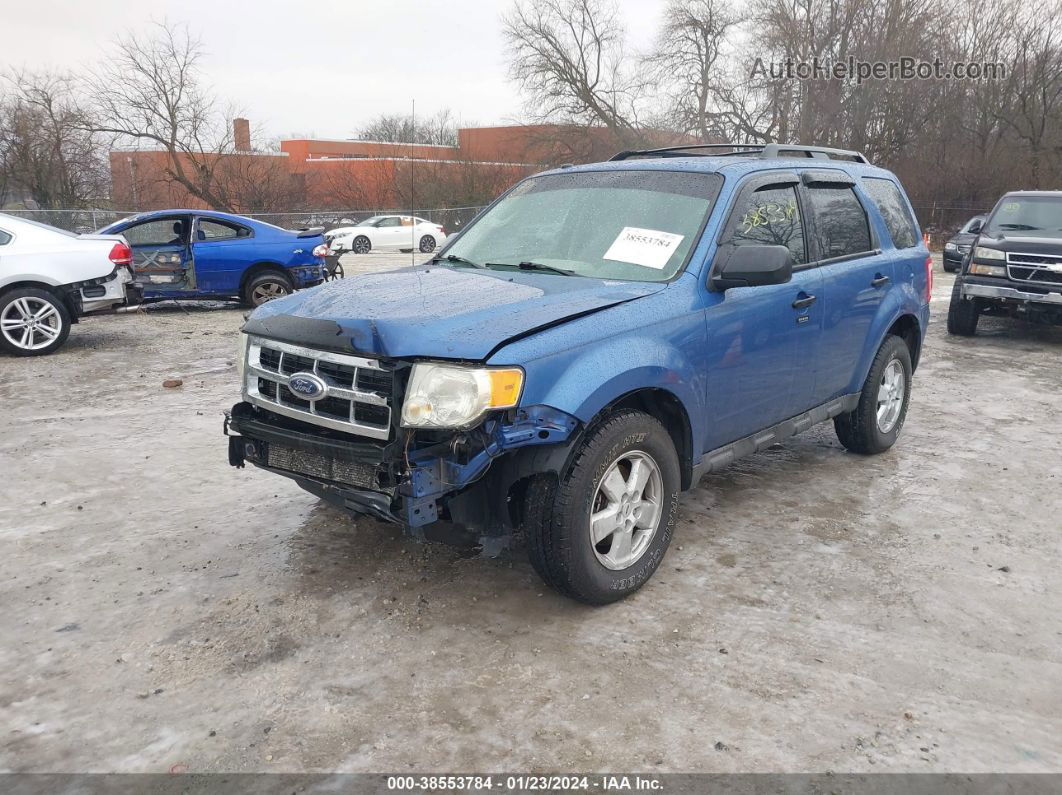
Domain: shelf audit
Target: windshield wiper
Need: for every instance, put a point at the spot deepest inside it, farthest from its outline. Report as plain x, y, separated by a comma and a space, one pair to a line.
1019, 227
456, 260
531, 266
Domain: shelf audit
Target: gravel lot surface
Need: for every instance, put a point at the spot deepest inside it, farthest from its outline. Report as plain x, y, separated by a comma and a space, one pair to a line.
817, 610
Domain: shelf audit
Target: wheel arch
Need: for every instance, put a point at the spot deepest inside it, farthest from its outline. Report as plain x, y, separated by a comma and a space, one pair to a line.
908, 328
671, 412
263, 267
67, 298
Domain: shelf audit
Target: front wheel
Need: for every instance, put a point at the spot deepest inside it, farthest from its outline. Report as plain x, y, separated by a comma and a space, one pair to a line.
361, 245
33, 322
874, 425
427, 244
600, 533
963, 313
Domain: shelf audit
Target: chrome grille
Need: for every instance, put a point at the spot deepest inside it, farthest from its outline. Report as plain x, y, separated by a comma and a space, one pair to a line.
1035, 268
358, 393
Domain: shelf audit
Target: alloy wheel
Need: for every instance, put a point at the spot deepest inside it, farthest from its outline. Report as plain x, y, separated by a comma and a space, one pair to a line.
268, 291
31, 323
891, 393
626, 510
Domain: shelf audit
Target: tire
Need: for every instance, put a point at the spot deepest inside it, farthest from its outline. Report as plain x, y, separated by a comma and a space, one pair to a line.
266, 286
427, 244
866, 429
962, 314
361, 245
557, 513
33, 322
950, 269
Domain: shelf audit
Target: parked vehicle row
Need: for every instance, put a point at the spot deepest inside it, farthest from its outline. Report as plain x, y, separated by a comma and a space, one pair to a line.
599, 338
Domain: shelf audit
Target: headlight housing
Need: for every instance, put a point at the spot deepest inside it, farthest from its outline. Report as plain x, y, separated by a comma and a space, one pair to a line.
951, 247
242, 344
987, 270
454, 396
988, 253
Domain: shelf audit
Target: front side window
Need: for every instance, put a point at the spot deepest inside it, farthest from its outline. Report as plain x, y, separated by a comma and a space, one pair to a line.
393, 221
841, 227
972, 226
890, 204
771, 217
638, 225
160, 232
1026, 216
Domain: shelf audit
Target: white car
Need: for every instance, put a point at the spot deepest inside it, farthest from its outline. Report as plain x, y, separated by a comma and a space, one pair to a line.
49, 277
387, 232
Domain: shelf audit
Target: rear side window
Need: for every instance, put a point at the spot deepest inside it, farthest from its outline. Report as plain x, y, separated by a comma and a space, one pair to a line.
771, 217
841, 227
893, 209
215, 231
5, 238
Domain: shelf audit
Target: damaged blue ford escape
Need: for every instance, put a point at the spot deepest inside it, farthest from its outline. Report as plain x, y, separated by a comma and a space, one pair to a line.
592, 344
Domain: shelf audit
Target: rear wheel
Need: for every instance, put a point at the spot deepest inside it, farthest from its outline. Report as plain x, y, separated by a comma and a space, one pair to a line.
963, 314
874, 425
600, 533
361, 245
33, 322
427, 244
265, 287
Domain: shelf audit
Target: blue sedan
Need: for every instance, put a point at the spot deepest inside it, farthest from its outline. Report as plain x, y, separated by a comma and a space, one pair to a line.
204, 254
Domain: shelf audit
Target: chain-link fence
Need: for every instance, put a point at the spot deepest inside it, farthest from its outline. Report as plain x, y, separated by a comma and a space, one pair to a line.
452, 219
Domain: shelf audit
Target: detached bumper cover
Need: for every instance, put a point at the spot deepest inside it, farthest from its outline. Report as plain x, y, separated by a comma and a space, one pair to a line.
1011, 293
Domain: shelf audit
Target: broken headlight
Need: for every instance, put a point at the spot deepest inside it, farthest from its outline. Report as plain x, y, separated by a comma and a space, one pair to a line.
452, 396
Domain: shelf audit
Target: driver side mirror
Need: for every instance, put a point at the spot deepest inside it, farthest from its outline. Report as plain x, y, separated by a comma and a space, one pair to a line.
975, 227
751, 266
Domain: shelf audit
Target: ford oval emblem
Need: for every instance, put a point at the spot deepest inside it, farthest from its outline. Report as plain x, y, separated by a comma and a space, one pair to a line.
307, 385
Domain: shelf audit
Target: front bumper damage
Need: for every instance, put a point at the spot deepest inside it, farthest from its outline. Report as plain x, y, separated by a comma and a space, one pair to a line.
461, 480
1005, 297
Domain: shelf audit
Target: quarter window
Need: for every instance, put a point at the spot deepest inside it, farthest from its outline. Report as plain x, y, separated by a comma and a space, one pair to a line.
215, 231
894, 213
841, 227
5, 238
771, 217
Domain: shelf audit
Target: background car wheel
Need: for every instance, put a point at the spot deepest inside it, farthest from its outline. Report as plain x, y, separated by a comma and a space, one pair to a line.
962, 314
33, 322
873, 426
950, 268
599, 533
266, 287
361, 245
427, 244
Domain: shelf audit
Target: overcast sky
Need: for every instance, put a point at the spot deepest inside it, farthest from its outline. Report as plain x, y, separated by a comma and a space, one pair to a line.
322, 67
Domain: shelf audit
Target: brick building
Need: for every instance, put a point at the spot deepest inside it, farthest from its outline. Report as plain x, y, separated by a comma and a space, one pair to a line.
352, 174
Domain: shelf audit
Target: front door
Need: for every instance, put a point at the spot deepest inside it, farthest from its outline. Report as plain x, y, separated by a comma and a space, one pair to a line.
220, 252
390, 233
762, 340
162, 258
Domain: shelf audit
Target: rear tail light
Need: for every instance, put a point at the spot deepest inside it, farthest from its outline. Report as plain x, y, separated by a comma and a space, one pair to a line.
121, 254
929, 277
321, 250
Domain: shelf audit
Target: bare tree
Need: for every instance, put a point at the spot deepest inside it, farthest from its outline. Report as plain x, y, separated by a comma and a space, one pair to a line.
149, 94
46, 153
568, 55
439, 128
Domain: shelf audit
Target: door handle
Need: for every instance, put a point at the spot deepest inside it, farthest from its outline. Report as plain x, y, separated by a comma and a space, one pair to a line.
800, 303
879, 280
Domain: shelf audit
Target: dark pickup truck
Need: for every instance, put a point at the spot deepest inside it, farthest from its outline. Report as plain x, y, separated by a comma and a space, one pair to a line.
1014, 266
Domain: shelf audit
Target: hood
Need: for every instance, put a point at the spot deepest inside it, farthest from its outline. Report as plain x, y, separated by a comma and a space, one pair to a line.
1025, 244
443, 313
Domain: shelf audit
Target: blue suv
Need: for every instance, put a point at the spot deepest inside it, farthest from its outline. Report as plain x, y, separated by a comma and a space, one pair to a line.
594, 342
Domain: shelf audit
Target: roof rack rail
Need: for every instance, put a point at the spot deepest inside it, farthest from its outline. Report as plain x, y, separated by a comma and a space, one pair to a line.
748, 150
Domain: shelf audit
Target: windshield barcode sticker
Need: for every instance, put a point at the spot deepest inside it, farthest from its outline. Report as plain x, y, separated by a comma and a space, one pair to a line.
646, 247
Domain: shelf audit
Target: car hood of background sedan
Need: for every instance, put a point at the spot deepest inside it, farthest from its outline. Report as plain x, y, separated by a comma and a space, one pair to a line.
441, 312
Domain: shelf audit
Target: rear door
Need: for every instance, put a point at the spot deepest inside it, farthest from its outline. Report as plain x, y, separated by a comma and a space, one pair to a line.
762, 340
856, 273
162, 257
220, 250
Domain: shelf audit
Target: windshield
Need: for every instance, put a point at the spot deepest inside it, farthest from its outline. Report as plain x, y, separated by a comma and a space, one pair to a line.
1026, 216
632, 225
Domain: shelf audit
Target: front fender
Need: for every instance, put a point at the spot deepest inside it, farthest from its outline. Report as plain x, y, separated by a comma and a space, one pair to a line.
602, 373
